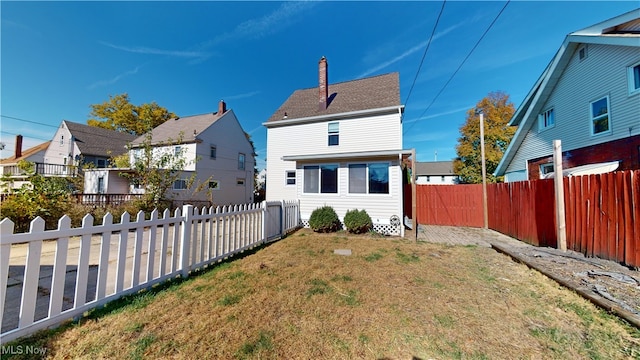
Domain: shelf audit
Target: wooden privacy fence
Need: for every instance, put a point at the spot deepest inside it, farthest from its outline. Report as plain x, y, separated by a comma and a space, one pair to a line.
602, 212
47, 277
452, 205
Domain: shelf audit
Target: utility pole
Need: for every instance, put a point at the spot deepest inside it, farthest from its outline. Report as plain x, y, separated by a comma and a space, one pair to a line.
485, 211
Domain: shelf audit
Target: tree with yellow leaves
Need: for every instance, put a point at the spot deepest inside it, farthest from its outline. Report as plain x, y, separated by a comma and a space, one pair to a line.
497, 110
119, 114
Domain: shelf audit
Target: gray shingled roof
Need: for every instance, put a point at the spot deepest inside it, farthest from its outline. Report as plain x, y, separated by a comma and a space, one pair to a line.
363, 94
434, 168
97, 141
186, 128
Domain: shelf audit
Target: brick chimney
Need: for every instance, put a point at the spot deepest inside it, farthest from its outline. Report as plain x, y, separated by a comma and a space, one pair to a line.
323, 84
222, 107
18, 146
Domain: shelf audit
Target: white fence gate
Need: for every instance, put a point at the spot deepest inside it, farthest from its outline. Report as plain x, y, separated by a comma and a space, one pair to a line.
48, 277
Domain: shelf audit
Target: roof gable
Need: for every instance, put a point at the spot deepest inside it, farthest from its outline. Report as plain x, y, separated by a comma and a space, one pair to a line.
183, 129
26, 154
618, 31
96, 141
363, 94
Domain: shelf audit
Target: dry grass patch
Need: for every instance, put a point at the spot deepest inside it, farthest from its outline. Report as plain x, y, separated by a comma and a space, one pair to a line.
392, 298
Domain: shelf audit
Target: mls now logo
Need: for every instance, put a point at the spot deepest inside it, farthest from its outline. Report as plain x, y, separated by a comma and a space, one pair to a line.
23, 350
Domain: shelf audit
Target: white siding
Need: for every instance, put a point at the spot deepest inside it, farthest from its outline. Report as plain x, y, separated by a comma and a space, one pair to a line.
381, 132
435, 180
379, 206
58, 151
603, 72
228, 137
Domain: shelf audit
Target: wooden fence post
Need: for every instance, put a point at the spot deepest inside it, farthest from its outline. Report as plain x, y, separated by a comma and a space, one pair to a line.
185, 239
264, 221
558, 181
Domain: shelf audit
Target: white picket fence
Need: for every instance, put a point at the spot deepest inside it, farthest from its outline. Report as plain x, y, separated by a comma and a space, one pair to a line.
56, 275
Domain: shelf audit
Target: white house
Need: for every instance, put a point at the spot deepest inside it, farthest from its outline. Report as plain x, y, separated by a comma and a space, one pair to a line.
340, 145
217, 152
589, 98
9, 166
435, 173
78, 144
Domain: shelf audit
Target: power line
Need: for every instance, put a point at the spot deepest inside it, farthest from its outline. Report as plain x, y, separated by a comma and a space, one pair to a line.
29, 121
433, 31
460, 66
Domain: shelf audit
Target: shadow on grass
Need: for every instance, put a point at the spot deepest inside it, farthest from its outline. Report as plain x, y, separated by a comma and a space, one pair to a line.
139, 300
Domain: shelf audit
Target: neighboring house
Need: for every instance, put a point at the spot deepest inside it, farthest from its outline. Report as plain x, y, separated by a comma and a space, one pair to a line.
216, 149
435, 173
589, 98
75, 145
340, 145
9, 166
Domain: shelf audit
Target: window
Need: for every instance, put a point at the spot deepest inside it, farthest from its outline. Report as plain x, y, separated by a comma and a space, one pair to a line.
600, 116
321, 178
102, 163
290, 177
177, 151
214, 184
101, 185
634, 78
358, 178
240, 161
442, 178
212, 152
334, 134
546, 120
180, 184
369, 178
61, 140
582, 52
545, 169
240, 181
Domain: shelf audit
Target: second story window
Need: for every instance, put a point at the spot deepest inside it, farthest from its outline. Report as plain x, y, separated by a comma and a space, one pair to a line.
212, 152
334, 133
546, 120
177, 151
634, 79
600, 116
61, 140
241, 159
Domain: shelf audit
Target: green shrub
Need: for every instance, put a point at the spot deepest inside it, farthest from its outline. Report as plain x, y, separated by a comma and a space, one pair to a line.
324, 219
357, 221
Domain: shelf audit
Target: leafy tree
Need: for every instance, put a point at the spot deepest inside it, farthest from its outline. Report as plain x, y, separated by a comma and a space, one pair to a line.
155, 168
47, 197
497, 110
120, 114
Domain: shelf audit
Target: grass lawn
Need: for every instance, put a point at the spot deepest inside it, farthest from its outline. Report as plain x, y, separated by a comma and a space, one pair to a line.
390, 299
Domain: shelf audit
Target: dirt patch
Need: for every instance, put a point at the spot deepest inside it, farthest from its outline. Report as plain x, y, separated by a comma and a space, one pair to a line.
616, 286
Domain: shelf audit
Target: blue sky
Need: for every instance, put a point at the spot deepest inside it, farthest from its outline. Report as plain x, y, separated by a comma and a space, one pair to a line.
57, 58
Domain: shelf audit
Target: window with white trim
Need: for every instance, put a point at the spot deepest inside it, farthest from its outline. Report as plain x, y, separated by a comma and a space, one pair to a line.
290, 177
633, 73
180, 184
546, 120
334, 133
177, 151
599, 111
369, 178
320, 179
